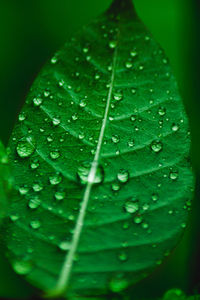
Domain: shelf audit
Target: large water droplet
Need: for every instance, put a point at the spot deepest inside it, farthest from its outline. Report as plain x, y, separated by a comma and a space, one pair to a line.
25, 149
131, 206
85, 173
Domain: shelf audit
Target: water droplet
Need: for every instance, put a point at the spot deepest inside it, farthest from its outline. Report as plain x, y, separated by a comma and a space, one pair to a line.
84, 173
162, 111
35, 224
112, 44
175, 127
115, 139
37, 101
34, 203
35, 164
138, 220
115, 186
14, 218
118, 284
59, 196
128, 65
118, 96
54, 154
133, 53
25, 149
156, 146
123, 176
74, 117
23, 190
55, 179
56, 121
64, 245
173, 175
82, 103
131, 206
131, 143
154, 197
97, 77
133, 118
22, 267
37, 187
85, 50
54, 60
22, 117
122, 256
133, 91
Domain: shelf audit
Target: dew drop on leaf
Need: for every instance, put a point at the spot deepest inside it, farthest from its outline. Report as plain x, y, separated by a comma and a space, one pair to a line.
34, 203
35, 224
175, 127
84, 172
37, 101
59, 196
138, 220
112, 44
123, 176
115, 139
56, 121
55, 179
37, 187
128, 65
115, 186
156, 146
118, 96
25, 149
173, 175
161, 111
131, 206
122, 256
64, 245
54, 154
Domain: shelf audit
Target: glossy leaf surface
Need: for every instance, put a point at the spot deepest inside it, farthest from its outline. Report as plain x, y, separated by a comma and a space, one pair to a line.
100, 160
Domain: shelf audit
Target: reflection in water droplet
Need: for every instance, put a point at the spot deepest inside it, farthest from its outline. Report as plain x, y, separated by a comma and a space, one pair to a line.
123, 176
25, 149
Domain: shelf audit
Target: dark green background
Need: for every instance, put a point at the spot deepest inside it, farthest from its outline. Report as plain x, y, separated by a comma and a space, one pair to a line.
31, 31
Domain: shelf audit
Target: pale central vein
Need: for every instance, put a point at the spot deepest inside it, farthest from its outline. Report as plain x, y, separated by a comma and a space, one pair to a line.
64, 277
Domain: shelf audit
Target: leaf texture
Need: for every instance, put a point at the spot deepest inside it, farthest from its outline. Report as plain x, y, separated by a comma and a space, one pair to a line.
100, 160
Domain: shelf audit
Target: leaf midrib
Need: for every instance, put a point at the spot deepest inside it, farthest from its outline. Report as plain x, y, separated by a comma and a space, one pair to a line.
65, 273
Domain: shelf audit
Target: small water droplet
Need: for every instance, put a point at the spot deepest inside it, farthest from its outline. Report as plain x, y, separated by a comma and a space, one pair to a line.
22, 117
154, 197
55, 179
35, 164
173, 175
75, 117
34, 203
112, 44
175, 127
128, 65
122, 256
37, 101
133, 53
123, 176
156, 146
35, 224
54, 154
54, 60
162, 111
25, 149
133, 118
138, 220
37, 187
56, 121
115, 186
118, 96
64, 245
115, 139
23, 190
59, 196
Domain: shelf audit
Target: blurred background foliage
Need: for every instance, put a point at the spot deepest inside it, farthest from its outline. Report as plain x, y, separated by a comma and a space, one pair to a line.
31, 31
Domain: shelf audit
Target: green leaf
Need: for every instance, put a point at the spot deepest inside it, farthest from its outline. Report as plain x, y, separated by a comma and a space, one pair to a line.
5, 182
100, 160
177, 294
